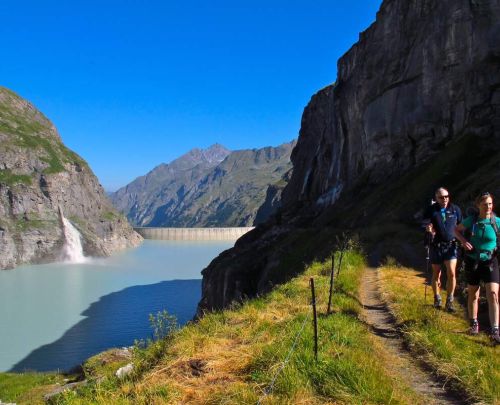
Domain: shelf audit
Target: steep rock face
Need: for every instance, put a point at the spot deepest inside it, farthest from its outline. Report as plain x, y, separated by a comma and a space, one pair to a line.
39, 175
424, 74
272, 202
423, 79
223, 192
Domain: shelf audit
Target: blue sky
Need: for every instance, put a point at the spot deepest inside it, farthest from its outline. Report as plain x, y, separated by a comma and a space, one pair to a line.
132, 84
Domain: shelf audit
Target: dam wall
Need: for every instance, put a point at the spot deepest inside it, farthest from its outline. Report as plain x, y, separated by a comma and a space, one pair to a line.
192, 233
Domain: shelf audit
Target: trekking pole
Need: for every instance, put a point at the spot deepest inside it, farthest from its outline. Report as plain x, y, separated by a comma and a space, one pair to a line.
426, 273
315, 319
328, 311
428, 237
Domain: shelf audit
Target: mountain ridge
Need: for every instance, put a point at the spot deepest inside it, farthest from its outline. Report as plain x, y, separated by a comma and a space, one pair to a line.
221, 192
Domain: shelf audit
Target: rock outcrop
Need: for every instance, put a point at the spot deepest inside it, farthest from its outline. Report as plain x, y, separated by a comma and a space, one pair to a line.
208, 188
39, 175
423, 80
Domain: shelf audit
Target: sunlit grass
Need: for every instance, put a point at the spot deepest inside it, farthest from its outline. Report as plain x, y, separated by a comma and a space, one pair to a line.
469, 363
27, 388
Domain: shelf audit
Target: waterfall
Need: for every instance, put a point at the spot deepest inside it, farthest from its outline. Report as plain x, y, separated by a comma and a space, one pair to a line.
72, 250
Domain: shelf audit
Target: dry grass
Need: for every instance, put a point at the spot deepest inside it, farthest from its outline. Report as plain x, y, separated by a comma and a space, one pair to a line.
202, 366
468, 363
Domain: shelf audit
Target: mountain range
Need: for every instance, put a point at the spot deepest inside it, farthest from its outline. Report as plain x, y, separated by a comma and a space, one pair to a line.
211, 187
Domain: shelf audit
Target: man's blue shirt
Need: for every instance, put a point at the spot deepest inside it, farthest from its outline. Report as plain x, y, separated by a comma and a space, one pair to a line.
444, 221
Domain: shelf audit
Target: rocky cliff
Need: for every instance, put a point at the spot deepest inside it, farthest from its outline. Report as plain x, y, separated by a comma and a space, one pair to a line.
425, 74
416, 104
39, 175
199, 192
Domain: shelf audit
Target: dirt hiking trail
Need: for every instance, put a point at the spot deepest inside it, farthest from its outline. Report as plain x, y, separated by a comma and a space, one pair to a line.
402, 364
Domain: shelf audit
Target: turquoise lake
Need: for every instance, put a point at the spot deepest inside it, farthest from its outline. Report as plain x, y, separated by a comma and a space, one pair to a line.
55, 316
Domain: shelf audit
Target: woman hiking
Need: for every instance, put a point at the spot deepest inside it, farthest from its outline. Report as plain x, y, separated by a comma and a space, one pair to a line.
481, 263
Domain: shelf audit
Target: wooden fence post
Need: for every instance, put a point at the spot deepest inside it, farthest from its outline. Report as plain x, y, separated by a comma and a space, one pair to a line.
315, 319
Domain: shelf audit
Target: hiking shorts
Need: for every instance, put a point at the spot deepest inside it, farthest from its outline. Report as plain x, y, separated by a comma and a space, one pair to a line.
486, 271
444, 252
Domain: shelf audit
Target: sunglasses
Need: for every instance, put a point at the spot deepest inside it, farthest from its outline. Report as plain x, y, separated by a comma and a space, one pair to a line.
442, 197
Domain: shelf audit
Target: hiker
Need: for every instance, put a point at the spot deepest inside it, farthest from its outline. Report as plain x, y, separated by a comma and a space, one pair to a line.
481, 263
442, 217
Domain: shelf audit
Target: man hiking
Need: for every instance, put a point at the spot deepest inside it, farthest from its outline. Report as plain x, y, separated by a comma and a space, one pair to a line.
442, 217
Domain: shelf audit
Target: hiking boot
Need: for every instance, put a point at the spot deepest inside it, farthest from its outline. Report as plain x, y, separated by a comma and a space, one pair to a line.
474, 327
437, 302
449, 307
495, 336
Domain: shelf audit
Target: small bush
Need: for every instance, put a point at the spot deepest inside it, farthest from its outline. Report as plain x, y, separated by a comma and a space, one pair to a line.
163, 324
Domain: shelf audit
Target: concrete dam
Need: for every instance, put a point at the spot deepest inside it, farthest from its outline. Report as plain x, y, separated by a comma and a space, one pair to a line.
192, 233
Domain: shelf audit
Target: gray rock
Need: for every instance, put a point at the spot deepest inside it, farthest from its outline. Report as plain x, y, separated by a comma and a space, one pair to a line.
51, 396
38, 174
125, 371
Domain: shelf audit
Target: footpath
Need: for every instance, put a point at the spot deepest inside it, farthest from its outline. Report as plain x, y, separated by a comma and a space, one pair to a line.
382, 324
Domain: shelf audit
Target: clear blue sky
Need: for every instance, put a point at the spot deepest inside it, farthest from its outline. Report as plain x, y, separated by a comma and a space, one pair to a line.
132, 84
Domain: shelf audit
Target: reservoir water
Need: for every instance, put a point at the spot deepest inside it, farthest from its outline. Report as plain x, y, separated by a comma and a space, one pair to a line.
54, 316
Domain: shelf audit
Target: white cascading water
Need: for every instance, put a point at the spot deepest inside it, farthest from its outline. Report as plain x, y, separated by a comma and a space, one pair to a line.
72, 250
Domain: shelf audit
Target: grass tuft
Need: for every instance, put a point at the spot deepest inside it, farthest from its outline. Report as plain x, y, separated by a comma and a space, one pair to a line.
10, 179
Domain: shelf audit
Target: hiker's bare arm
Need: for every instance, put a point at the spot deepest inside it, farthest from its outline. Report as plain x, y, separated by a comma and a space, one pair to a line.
458, 233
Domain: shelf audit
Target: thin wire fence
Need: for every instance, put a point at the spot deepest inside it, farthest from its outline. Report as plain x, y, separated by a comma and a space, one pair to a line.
270, 387
267, 391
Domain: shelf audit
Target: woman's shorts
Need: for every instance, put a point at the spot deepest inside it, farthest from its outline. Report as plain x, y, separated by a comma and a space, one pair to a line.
441, 253
486, 271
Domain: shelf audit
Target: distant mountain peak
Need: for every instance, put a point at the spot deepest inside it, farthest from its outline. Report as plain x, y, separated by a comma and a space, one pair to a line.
215, 153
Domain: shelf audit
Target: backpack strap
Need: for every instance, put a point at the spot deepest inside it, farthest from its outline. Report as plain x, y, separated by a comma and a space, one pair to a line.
493, 220
475, 219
